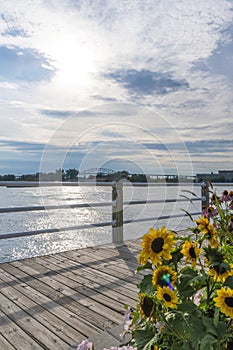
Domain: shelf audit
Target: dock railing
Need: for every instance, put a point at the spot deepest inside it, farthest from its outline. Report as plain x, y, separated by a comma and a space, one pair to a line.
117, 223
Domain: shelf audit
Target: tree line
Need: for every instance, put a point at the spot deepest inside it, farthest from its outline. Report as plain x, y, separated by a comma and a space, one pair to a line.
72, 174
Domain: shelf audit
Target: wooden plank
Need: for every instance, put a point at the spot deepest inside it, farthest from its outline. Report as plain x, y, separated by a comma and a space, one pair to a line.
48, 320
83, 313
81, 267
95, 274
87, 295
88, 277
93, 265
70, 318
105, 258
16, 336
95, 313
30, 326
5, 345
58, 300
115, 270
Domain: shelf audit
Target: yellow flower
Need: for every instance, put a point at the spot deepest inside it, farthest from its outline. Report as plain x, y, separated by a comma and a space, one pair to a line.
208, 230
202, 224
168, 296
163, 276
220, 275
191, 252
224, 301
146, 305
212, 236
156, 245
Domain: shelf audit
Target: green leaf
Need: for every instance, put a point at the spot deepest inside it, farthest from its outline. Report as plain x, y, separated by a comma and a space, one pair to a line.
142, 337
229, 282
176, 256
208, 342
192, 193
187, 213
216, 317
147, 265
189, 199
222, 328
187, 306
186, 346
196, 331
209, 324
135, 318
214, 255
176, 323
146, 285
187, 276
187, 292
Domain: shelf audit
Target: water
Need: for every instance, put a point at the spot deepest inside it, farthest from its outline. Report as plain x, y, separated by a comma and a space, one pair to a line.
18, 248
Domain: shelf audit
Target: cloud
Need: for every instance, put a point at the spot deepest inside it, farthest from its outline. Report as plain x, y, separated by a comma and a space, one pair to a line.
220, 60
104, 98
146, 82
57, 113
22, 146
212, 146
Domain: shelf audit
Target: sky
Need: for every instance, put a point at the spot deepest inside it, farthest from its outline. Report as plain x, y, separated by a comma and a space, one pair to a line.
145, 86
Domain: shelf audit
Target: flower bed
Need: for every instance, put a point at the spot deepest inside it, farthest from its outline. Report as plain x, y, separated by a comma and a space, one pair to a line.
185, 298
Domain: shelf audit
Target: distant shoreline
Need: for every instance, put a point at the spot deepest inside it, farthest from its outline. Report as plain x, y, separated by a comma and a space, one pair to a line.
21, 184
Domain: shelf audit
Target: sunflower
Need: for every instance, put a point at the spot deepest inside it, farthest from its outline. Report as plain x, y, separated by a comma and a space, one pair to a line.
224, 301
220, 273
191, 252
168, 296
202, 224
208, 230
146, 304
212, 236
156, 245
163, 276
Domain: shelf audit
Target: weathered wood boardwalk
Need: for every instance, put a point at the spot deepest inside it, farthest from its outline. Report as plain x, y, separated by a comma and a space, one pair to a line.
54, 302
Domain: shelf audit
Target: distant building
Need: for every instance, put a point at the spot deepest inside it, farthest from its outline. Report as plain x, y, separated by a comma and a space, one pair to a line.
221, 176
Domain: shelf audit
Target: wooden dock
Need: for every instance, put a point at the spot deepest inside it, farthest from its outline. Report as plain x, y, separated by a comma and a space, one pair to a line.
54, 302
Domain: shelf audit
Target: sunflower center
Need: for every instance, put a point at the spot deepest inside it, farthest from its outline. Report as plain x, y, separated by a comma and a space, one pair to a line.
164, 279
229, 301
192, 253
157, 245
147, 306
220, 269
167, 297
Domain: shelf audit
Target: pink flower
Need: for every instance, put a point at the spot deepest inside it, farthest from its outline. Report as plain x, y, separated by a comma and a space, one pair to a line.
197, 297
85, 345
209, 212
225, 196
230, 224
127, 326
121, 348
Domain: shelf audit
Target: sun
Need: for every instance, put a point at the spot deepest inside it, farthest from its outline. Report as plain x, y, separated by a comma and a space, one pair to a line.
73, 60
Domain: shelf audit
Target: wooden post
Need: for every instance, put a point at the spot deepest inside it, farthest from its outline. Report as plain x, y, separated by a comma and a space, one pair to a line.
205, 198
117, 212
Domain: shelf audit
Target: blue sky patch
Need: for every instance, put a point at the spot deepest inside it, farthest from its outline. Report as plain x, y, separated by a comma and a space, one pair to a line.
23, 65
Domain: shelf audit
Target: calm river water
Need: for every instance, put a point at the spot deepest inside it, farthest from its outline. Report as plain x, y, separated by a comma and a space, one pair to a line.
18, 248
